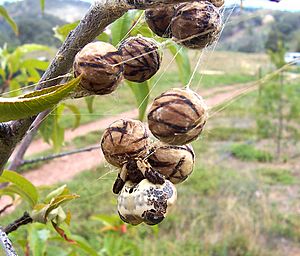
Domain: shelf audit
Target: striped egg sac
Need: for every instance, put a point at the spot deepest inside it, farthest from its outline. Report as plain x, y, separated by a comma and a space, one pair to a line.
146, 202
203, 21
177, 116
175, 162
141, 58
159, 20
100, 65
123, 140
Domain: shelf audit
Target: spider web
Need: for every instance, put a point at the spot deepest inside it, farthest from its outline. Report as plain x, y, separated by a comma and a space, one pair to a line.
201, 62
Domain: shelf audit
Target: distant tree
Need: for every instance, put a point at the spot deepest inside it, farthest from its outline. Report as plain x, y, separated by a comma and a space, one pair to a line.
278, 109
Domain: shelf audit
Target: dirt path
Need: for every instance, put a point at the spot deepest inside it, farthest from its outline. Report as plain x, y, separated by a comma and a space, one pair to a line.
40, 146
65, 168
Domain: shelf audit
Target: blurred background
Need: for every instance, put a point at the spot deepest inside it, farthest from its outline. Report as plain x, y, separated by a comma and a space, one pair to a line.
243, 198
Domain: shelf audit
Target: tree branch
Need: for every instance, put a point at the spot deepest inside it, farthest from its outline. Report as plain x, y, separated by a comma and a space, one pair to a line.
100, 15
24, 220
5, 208
50, 157
32, 131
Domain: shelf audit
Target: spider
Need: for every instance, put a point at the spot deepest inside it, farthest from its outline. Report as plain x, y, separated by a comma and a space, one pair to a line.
136, 170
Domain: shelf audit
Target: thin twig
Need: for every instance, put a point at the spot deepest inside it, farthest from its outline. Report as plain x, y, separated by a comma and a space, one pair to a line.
24, 220
50, 157
5, 208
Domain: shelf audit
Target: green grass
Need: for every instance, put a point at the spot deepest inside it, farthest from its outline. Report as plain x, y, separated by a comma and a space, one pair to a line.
276, 176
229, 134
216, 214
287, 226
247, 152
205, 81
87, 139
123, 100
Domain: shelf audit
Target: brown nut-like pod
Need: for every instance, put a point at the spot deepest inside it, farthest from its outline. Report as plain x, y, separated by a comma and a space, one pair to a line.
141, 58
217, 3
177, 116
100, 65
175, 162
159, 20
146, 202
196, 24
123, 140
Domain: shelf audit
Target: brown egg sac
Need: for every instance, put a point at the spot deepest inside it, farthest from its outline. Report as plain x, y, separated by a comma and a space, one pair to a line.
141, 58
175, 162
217, 3
159, 20
196, 24
177, 116
123, 140
98, 63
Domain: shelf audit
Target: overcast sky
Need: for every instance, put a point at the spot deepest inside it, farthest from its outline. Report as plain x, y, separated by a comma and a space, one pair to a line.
291, 5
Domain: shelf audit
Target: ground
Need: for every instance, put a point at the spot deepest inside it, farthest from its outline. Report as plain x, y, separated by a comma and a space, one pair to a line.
229, 205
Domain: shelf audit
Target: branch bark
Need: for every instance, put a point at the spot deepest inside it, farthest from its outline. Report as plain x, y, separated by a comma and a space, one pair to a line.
100, 15
24, 220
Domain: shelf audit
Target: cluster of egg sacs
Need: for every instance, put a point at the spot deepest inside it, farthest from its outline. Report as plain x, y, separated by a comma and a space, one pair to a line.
148, 171
102, 66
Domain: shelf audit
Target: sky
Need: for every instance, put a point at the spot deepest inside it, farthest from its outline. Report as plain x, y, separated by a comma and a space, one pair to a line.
288, 5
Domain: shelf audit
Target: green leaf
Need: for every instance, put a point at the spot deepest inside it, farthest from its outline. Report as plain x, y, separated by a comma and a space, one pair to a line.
84, 245
182, 61
104, 37
107, 220
37, 239
58, 133
42, 2
14, 87
59, 201
52, 211
34, 103
57, 192
77, 115
36, 64
121, 26
89, 102
9, 20
27, 48
22, 186
63, 31
141, 93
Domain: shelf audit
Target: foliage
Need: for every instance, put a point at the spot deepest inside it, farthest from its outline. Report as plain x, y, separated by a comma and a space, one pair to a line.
35, 102
9, 20
20, 186
18, 70
46, 210
277, 105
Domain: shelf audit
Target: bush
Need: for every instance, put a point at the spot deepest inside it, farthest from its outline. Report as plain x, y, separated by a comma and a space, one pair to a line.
247, 152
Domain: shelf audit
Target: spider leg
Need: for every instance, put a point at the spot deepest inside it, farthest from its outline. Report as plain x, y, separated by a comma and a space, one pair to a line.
120, 180
150, 174
154, 176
